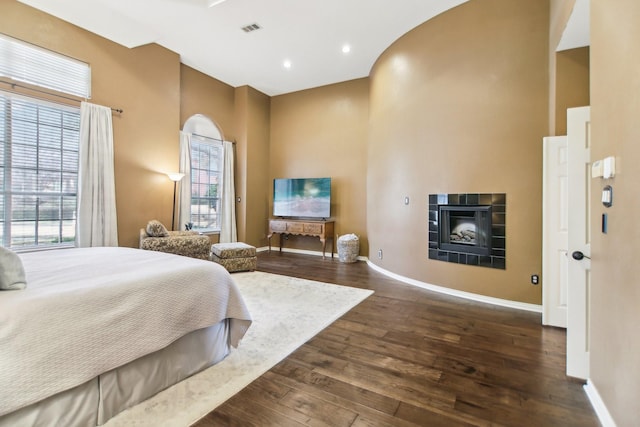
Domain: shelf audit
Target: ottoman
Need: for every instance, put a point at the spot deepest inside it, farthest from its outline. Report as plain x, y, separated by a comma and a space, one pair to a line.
235, 256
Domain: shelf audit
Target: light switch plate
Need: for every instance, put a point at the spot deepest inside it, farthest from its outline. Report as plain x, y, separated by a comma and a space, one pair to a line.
596, 169
609, 167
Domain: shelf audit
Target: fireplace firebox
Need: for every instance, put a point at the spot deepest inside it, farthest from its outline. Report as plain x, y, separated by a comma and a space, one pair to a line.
468, 229
465, 229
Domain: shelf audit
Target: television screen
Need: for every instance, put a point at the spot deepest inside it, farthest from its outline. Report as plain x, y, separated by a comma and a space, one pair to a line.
302, 197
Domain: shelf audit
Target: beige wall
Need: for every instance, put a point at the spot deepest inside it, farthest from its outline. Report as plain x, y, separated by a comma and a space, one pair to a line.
559, 14
318, 132
243, 115
615, 288
201, 94
157, 94
459, 105
572, 84
323, 132
145, 83
252, 177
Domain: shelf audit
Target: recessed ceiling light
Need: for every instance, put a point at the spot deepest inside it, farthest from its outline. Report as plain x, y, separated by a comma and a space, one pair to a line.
346, 48
286, 63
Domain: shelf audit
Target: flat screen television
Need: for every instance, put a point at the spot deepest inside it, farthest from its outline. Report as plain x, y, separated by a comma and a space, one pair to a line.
302, 197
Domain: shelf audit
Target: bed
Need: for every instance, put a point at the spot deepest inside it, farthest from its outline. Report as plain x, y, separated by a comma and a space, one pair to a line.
98, 330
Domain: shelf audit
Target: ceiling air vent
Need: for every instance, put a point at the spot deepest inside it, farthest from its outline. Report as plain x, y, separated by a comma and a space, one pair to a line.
252, 27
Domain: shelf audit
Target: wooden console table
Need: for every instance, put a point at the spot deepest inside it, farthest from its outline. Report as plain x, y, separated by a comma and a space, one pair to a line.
321, 229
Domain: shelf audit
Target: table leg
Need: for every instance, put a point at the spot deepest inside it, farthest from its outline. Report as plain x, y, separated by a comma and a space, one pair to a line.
333, 243
324, 246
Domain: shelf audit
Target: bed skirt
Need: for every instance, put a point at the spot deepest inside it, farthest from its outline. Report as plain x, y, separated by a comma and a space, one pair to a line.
96, 401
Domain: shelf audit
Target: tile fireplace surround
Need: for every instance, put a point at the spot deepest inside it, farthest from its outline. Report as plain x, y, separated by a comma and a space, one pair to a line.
495, 256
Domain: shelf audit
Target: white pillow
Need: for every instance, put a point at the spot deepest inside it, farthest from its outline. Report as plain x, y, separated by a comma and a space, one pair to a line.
12, 275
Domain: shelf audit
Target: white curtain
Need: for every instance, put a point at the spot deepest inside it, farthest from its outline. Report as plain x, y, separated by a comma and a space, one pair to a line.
97, 222
184, 204
228, 232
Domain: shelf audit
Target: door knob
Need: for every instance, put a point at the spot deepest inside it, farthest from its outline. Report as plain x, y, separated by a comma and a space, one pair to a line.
577, 255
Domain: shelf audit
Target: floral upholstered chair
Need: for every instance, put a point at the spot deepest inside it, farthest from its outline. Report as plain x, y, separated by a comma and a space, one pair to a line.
155, 237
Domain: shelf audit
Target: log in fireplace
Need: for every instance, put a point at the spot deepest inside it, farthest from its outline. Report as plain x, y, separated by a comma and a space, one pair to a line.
468, 229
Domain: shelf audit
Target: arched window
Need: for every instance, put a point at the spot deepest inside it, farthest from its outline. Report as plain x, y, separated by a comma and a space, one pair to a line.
207, 162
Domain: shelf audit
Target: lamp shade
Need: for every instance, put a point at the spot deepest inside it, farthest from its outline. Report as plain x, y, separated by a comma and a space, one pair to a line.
175, 176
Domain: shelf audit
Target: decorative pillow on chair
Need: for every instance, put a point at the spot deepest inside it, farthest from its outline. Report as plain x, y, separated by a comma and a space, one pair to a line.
12, 276
156, 229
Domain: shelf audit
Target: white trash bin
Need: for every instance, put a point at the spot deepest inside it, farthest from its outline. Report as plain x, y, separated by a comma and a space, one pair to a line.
348, 248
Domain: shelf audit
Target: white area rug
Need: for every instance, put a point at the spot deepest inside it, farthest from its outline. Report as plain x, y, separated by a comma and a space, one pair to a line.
286, 312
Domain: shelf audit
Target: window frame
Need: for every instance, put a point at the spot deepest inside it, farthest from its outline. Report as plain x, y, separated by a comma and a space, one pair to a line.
201, 185
65, 186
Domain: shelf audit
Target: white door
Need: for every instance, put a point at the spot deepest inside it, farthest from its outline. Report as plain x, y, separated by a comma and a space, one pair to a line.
555, 217
579, 238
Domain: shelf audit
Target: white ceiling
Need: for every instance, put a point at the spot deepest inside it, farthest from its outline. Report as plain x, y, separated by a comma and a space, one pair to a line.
308, 33
577, 32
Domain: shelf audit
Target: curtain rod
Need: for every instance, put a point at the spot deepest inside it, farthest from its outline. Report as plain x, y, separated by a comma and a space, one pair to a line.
13, 86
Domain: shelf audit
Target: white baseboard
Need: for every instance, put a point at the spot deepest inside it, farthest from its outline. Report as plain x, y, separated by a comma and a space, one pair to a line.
536, 308
602, 412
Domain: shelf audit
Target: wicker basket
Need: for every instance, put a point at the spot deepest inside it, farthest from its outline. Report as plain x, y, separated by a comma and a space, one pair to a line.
348, 248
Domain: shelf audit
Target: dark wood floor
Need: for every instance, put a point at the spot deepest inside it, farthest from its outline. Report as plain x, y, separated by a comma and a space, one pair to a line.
410, 357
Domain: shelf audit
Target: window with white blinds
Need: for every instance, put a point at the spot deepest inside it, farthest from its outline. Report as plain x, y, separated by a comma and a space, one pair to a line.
24, 62
38, 172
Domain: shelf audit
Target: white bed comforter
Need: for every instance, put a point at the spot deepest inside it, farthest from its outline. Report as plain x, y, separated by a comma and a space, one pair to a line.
87, 311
